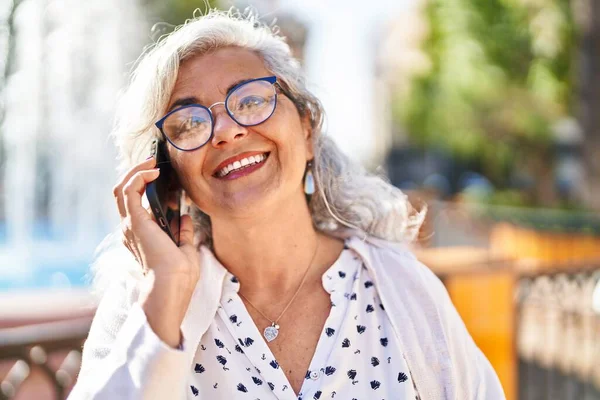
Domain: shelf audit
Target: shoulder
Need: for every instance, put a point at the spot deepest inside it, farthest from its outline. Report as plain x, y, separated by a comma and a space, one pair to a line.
396, 261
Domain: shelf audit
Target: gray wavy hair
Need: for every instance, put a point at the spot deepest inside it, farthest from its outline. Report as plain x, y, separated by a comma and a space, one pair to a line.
348, 199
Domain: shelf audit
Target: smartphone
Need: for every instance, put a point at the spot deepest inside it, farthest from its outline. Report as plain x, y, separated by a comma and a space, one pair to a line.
164, 193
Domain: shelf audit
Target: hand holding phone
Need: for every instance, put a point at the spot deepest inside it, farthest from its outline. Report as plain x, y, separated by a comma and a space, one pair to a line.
172, 270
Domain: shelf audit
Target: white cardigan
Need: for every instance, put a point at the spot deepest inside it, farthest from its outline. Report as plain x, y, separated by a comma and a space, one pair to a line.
124, 359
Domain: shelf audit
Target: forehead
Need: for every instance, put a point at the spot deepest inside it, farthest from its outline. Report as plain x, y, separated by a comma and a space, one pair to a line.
207, 77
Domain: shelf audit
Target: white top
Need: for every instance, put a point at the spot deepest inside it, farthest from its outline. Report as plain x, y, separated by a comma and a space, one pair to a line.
124, 359
357, 356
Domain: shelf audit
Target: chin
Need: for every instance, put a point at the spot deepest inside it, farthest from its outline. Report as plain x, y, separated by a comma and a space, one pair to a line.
247, 201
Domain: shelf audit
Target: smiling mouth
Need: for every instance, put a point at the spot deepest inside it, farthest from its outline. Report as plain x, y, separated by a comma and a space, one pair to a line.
242, 164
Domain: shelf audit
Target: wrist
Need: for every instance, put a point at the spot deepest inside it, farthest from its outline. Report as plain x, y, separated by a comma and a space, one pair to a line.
165, 303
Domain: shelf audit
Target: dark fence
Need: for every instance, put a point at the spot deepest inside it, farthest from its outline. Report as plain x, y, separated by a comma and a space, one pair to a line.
51, 351
558, 336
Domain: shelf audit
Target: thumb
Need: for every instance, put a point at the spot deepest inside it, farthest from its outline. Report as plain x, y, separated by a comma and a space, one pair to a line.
186, 231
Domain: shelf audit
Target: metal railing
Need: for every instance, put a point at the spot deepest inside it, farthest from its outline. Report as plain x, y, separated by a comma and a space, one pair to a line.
29, 348
558, 336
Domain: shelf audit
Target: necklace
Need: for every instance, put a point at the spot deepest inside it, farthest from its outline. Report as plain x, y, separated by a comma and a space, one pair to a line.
270, 333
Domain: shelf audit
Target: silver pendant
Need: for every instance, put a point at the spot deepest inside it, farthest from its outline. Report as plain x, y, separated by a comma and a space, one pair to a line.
271, 332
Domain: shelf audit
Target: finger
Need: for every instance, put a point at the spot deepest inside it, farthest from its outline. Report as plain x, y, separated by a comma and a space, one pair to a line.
133, 191
118, 188
186, 231
151, 214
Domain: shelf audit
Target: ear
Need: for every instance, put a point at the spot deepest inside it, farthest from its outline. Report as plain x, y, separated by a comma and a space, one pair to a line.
308, 137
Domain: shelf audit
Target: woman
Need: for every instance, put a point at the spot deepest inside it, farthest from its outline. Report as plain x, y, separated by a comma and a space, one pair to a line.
290, 280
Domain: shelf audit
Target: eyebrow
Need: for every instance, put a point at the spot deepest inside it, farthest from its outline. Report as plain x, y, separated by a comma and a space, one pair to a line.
186, 101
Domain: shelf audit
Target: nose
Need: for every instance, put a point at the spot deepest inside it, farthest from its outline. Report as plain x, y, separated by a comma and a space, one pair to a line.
226, 130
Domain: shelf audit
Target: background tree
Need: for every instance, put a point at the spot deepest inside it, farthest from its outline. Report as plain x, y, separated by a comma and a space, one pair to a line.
501, 77
588, 13
176, 12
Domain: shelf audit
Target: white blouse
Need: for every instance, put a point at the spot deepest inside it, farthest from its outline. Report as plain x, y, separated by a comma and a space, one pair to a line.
124, 359
357, 356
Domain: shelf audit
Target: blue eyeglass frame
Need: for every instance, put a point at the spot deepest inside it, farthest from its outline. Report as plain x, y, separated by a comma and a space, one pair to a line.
159, 124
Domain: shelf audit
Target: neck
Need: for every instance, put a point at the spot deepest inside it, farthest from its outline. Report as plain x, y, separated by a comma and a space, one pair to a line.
273, 249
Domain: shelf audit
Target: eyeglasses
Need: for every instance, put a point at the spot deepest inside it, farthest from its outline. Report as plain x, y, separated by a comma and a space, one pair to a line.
250, 103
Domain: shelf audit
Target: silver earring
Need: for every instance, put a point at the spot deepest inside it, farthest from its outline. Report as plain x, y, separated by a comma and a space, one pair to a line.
309, 180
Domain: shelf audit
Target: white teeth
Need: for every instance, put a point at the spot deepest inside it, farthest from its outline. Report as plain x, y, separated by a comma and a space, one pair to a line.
241, 163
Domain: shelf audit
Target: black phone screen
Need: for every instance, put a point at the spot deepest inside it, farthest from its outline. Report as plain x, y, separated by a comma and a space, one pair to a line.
164, 194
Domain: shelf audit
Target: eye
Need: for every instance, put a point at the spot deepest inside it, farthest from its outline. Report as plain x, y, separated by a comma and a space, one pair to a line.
250, 103
190, 126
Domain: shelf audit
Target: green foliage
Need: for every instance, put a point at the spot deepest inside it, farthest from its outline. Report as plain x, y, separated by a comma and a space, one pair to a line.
176, 12
500, 78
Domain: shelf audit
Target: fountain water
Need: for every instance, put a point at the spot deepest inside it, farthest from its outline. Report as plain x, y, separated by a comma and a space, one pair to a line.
70, 59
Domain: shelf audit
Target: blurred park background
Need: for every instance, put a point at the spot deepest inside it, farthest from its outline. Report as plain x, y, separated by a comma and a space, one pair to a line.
486, 110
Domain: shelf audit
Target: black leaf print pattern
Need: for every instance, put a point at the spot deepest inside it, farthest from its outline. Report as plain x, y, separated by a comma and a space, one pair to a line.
222, 360
329, 332
346, 343
284, 388
352, 374
242, 388
199, 368
361, 329
389, 360
274, 364
383, 341
353, 296
219, 343
257, 381
375, 385
317, 395
248, 341
374, 361
402, 377
342, 274
357, 352
332, 304
368, 284
203, 347
271, 385
263, 357
239, 349
233, 318
370, 308
215, 385
307, 376
333, 394
381, 306
194, 390
234, 279
329, 370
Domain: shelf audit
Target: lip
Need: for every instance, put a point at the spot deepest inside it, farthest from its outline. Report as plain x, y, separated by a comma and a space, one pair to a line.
238, 157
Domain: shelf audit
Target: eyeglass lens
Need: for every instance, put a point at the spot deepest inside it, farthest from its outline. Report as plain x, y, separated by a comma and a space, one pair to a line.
249, 104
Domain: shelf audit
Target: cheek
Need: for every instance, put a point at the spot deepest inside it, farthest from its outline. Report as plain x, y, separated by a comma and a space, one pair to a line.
189, 168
